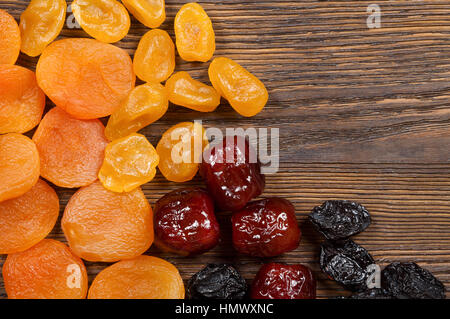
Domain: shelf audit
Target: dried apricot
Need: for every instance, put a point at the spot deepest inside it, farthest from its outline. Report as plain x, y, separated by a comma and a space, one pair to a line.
129, 162
143, 277
185, 91
150, 13
27, 219
245, 92
194, 33
71, 150
19, 165
144, 105
22, 102
87, 78
105, 20
9, 38
40, 24
101, 225
154, 59
180, 151
48, 270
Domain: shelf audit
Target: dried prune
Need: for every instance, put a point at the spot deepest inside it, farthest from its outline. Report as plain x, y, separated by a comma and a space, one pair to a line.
375, 293
185, 222
279, 281
339, 219
346, 262
407, 280
265, 228
217, 281
232, 173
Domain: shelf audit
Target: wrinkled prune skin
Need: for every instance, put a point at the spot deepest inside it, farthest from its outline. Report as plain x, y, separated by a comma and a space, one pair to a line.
232, 173
374, 293
407, 280
217, 281
280, 281
339, 219
265, 228
346, 262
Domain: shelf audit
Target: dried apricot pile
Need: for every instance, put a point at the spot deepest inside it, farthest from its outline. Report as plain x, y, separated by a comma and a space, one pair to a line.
180, 151
9, 38
101, 225
143, 277
144, 105
105, 20
22, 102
19, 165
40, 24
27, 219
87, 78
48, 270
129, 162
71, 150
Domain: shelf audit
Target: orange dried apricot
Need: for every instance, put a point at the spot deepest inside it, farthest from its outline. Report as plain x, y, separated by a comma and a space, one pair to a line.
9, 38
40, 24
19, 165
180, 151
150, 13
48, 270
194, 33
22, 102
101, 225
244, 91
143, 277
129, 162
27, 219
145, 104
154, 59
105, 20
185, 91
85, 77
71, 150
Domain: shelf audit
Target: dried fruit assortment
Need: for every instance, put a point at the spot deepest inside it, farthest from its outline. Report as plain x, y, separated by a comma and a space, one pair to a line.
185, 223
40, 24
10, 38
280, 281
85, 77
154, 59
143, 277
109, 219
101, 225
185, 91
129, 162
234, 181
217, 281
265, 228
194, 33
22, 102
48, 270
105, 20
71, 150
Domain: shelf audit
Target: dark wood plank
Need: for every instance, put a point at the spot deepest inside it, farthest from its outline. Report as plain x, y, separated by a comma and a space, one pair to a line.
363, 114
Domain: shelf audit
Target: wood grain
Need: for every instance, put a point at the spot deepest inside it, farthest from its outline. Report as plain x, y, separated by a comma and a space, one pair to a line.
364, 114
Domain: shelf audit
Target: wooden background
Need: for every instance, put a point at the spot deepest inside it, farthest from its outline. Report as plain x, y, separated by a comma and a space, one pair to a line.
364, 114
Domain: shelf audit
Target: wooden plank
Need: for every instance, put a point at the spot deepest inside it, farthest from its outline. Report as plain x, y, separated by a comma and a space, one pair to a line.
363, 114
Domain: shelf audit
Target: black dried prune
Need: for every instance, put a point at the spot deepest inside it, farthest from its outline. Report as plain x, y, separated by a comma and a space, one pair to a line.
407, 280
339, 219
346, 262
374, 293
217, 281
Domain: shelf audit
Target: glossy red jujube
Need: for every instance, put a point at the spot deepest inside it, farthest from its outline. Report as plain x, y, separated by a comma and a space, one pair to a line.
185, 223
265, 228
232, 173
